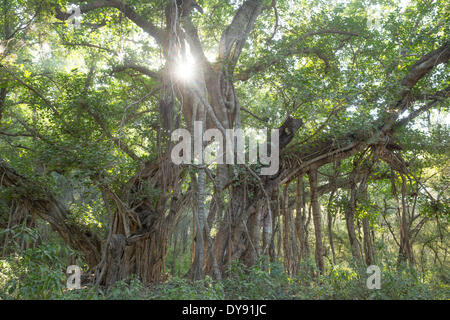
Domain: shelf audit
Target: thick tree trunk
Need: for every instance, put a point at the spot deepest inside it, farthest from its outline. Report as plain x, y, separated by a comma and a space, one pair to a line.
300, 220
289, 236
369, 251
368, 242
253, 228
330, 227
267, 243
287, 257
197, 265
350, 223
405, 251
140, 236
317, 219
144, 258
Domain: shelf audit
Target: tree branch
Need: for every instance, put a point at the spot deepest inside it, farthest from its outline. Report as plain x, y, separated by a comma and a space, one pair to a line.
139, 68
236, 34
331, 150
37, 199
268, 61
146, 25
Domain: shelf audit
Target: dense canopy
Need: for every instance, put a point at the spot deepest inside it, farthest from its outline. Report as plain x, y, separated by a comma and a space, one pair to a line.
91, 91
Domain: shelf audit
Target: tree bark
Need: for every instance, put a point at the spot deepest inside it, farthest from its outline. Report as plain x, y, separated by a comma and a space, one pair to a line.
405, 251
317, 219
37, 199
350, 222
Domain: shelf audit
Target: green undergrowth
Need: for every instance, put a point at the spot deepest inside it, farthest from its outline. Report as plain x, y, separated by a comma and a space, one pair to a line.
39, 274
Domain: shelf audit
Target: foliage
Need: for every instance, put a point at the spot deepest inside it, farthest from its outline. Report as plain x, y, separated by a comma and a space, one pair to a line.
264, 281
81, 113
35, 273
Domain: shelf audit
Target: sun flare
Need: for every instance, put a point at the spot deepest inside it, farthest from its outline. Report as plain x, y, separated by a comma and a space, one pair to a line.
185, 70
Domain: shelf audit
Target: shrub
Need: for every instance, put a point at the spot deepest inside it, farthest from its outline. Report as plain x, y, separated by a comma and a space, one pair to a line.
34, 273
